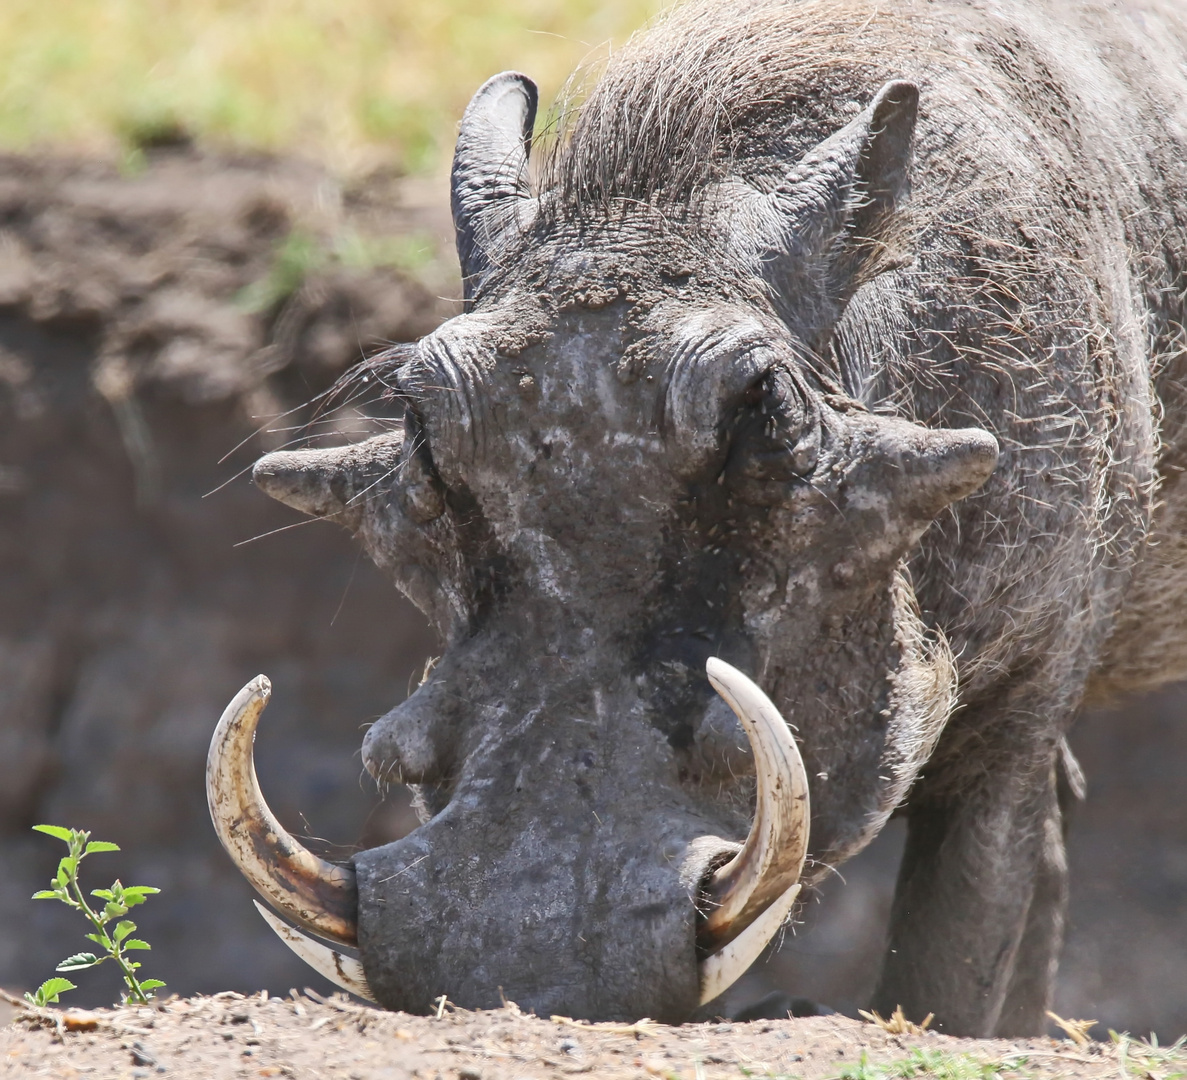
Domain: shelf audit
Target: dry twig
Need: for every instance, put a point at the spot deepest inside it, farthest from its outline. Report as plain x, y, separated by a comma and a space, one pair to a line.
640, 1027
897, 1024
1077, 1030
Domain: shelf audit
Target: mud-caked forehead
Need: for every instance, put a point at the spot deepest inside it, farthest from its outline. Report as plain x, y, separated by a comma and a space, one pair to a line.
665, 375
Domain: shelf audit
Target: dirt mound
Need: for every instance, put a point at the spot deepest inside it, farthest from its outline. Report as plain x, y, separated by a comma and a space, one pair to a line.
300, 1036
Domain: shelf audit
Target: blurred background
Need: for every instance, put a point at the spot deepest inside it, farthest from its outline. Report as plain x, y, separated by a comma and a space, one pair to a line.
208, 212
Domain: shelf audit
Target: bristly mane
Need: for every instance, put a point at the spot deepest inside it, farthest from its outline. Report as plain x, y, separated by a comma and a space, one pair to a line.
710, 88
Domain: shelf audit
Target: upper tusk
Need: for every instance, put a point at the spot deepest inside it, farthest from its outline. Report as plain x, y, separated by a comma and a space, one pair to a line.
317, 894
770, 861
343, 971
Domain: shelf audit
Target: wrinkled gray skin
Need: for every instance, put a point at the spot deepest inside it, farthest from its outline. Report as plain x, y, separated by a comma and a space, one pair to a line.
836, 377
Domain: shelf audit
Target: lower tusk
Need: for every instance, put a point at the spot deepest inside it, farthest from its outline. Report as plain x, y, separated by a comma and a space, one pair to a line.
343, 971
317, 894
770, 861
721, 970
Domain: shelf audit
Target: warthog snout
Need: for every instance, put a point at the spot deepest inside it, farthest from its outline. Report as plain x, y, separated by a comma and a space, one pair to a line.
543, 879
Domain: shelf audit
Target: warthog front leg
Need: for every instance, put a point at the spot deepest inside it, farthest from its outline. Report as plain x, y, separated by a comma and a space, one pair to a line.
978, 910
1029, 996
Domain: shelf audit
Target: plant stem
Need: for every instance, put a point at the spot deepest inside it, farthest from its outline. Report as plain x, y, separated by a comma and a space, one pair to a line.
113, 947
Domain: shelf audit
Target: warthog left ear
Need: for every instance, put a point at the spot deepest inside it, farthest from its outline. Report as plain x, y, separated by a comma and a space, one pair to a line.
490, 193
830, 223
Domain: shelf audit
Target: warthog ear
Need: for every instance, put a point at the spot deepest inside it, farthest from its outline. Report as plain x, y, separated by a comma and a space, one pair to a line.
490, 192
829, 224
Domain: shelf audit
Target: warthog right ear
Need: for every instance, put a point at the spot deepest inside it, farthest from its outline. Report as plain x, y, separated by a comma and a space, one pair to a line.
830, 223
490, 192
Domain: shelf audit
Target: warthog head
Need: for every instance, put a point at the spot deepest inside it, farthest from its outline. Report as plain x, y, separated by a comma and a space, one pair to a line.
624, 460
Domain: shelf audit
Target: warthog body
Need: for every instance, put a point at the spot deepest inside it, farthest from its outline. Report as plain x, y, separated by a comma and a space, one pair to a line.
832, 339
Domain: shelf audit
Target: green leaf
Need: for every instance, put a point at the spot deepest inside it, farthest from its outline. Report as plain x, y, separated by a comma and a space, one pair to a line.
102, 894
77, 961
63, 875
136, 943
100, 845
48, 991
47, 894
135, 894
58, 833
113, 910
98, 939
151, 984
123, 929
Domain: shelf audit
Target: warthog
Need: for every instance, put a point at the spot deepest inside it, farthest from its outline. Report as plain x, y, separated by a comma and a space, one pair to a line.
842, 343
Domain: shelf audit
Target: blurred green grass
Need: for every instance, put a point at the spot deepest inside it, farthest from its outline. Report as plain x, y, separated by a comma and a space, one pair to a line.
351, 82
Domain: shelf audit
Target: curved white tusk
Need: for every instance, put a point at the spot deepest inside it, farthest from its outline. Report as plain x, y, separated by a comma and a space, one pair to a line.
773, 856
343, 971
721, 970
315, 893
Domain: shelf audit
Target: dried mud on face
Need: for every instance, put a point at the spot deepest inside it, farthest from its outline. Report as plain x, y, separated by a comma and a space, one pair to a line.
228, 1035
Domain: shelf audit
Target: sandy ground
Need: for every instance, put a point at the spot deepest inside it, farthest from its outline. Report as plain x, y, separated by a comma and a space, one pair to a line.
307, 1036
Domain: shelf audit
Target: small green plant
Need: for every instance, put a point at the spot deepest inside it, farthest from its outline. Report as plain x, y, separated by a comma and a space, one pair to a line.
117, 901
863, 1070
932, 1065
296, 257
410, 253
1145, 1057
301, 254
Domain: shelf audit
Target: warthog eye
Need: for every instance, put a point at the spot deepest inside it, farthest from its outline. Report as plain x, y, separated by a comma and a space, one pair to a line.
775, 433
424, 493
756, 392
